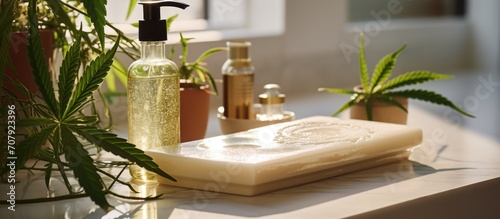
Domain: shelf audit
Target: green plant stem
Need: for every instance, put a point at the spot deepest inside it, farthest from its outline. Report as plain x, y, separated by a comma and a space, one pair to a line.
117, 179
60, 165
40, 169
134, 45
106, 109
130, 55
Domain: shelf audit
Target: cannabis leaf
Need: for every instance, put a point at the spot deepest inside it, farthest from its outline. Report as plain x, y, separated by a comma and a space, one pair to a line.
68, 73
92, 77
363, 70
120, 147
61, 122
383, 69
31, 146
39, 67
428, 96
83, 167
96, 9
381, 89
61, 14
412, 78
6, 17
131, 7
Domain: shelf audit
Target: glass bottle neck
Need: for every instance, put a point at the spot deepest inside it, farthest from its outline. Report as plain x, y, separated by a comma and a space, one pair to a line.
153, 50
238, 54
238, 50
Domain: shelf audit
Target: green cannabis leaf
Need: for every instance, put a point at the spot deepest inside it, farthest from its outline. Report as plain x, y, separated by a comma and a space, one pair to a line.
363, 69
61, 122
96, 9
68, 73
380, 88
6, 17
37, 63
131, 7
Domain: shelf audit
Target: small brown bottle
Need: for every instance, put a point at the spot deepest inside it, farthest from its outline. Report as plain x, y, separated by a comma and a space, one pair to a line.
238, 76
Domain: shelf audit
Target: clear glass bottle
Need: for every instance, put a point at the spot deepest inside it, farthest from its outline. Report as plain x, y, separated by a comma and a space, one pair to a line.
238, 77
153, 102
153, 92
272, 103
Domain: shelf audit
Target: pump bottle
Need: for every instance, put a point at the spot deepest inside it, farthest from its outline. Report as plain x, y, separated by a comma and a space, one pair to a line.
238, 77
153, 88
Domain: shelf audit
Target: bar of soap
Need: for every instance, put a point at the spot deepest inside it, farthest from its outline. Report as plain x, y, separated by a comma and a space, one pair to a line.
284, 155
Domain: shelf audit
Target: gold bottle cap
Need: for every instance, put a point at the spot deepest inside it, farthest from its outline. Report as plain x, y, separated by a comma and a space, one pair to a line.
238, 49
272, 95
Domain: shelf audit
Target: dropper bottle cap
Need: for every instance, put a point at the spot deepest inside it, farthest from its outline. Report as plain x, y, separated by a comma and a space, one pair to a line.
153, 28
272, 95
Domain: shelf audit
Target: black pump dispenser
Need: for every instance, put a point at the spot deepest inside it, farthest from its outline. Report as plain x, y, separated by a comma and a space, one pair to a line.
153, 28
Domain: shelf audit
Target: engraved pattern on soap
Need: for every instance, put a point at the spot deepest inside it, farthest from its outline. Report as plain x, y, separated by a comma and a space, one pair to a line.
319, 133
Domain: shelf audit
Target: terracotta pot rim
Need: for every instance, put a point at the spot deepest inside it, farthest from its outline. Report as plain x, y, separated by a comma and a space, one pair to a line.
26, 31
186, 84
402, 100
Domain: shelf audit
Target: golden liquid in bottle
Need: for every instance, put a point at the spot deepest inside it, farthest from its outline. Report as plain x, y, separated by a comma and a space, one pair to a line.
238, 96
153, 117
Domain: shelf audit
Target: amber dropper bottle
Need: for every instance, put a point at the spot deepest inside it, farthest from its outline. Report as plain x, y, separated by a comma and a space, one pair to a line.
238, 77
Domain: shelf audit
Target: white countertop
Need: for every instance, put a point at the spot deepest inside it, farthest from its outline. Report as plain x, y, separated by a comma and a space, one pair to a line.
454, 174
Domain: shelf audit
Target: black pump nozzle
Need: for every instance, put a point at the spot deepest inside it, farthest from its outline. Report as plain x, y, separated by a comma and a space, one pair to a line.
152, 28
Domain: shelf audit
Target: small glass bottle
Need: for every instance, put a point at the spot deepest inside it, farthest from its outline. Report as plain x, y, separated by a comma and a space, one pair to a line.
238, 77
272, 102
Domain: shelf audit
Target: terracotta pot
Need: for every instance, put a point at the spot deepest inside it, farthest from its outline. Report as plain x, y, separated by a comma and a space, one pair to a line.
19, 56
381, 112
195, 107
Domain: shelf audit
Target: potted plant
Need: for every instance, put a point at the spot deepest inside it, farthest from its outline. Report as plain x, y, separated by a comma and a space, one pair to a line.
378, 97
58, 21
56, 115
197, 84
17, 69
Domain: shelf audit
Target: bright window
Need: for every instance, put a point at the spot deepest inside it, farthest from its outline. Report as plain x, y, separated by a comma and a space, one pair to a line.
209, 20
117, 11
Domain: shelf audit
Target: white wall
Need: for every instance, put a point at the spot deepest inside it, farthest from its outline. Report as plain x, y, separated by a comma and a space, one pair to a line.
484, 19
308, 55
